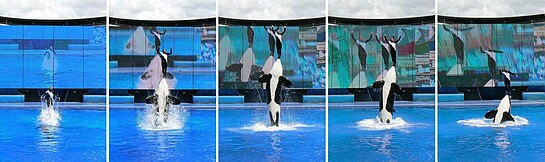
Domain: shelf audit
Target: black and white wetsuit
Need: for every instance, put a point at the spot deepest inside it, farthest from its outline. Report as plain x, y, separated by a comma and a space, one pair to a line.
507, 80
491, 53
362, 46
385, 52
393, 49
164, 60
279, 41
272, 39
157, 34
458, 43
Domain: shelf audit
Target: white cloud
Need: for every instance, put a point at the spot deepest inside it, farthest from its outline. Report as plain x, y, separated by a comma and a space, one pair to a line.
52, 9
381, 8
163, 10
272, 10
490, 8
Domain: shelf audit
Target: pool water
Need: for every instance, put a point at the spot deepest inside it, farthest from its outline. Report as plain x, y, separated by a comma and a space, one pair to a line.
478, 142
80, 136
245, 134
355, 135
195, 141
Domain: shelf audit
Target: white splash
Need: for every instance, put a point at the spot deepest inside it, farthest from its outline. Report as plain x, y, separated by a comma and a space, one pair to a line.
49, 116
375, 124
150, 121
262, 127
482, 122
162, 116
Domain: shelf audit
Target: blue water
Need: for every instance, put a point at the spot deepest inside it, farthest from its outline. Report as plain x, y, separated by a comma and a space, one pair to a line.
238, 143
196, 141
348, 142
458, 142
80, 137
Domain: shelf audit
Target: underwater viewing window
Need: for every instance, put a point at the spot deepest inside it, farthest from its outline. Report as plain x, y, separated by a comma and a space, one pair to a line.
517, 42
58, 53
357, 58
135, 64
250, 43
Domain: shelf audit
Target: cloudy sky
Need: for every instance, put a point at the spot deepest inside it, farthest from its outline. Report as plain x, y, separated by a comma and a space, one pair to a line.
163, 9
381, 8
272, 9
52, 9
490, 8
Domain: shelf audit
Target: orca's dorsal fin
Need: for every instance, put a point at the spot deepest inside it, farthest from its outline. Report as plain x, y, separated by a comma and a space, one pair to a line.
284, 81
491, 114
507, 117
265, 78
396, 89
378, 84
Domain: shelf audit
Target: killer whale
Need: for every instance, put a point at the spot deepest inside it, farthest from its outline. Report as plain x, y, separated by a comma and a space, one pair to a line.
503, 112
388, 88
162, 100
274, 82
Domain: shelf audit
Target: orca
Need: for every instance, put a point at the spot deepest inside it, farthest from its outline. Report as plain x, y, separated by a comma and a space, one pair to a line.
274, 82
388, 88
502, 113
162, 102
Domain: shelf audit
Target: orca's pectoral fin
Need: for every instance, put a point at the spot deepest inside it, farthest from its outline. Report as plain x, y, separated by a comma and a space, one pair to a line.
378, 84
174, 100
234, 67
169, 75
145, 76
264, 78
507, 117
151, 99
396, 89
255, 76
491, 114
285, 81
